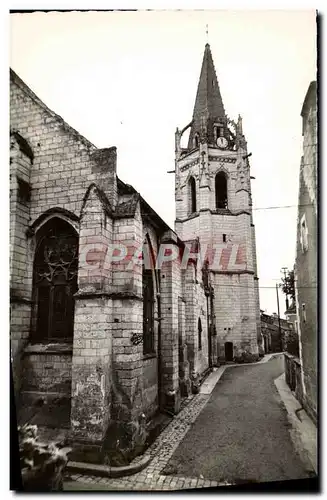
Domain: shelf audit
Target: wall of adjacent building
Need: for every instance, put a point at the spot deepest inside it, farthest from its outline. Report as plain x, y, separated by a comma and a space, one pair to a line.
306, 260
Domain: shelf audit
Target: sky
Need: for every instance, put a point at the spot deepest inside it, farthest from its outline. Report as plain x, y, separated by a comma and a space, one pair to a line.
128, 79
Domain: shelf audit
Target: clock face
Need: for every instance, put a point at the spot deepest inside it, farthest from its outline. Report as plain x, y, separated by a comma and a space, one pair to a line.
222, 142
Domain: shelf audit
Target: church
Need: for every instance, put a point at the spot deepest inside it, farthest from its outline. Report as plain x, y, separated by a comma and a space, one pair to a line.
114, 316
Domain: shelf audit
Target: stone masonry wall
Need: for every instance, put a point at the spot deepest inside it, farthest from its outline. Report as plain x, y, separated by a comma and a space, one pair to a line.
236, 296
129, 403
306, 259
20, 282
201, 361
195, 308
92, 343
48, 373
63, 167
170, 290
91, 381
150, 362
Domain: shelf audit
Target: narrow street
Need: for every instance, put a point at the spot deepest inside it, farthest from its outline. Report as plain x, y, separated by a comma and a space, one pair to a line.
239, 433
242, 434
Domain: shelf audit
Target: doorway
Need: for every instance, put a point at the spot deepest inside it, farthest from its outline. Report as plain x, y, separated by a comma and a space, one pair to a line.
229, 351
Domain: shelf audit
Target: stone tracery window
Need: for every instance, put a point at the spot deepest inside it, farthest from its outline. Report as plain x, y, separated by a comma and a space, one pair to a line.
55, 281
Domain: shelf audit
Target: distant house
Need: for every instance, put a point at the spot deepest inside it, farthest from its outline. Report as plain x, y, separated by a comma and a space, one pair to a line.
306, 253
291, 315
275, 334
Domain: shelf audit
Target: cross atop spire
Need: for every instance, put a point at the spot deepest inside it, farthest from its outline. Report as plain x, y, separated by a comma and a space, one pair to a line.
208, 106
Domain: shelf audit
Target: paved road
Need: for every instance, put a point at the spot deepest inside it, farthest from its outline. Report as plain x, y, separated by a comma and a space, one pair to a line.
243, 433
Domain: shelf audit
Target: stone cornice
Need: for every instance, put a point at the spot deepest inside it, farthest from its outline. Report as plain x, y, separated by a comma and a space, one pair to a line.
16, 299
49, 348
234, 213
237, 271
189, 165
214, 212
192, 216
224, 159
108, 295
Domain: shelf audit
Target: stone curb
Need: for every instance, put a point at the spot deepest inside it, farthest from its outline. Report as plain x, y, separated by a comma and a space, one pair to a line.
303, 430
106, 470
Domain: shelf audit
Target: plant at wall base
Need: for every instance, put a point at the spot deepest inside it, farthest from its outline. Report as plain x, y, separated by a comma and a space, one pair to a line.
127, 435
195, 383
126, 442
42, 464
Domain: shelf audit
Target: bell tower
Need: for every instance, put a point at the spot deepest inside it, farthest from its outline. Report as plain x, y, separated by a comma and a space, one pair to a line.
214, 204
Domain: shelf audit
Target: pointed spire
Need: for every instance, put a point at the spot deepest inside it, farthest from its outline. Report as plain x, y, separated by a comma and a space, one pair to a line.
208, 103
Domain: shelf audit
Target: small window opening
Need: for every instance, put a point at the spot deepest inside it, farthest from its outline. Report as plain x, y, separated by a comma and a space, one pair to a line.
192, 194
221, 190
224, 238
24, 190
304, 234
148, 312
304, 314
200, 333
229, 351
196, 141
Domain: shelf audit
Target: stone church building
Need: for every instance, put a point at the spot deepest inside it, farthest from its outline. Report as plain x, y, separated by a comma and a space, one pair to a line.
114, 315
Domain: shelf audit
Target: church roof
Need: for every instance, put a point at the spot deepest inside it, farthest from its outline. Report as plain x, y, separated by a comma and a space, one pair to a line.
208, 102
26, 89
127, 206
309, 97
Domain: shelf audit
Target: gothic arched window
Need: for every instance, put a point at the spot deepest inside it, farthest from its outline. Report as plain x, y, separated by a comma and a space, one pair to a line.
148, 312
55, 281
196, 140
148, 297
200, 333
221, 190
192, 195
215, 132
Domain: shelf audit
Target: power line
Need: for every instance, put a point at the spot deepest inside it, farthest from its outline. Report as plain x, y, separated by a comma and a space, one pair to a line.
283, 206
250, 208
262, 287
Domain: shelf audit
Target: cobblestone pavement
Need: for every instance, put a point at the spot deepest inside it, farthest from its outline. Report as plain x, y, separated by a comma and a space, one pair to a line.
161, 450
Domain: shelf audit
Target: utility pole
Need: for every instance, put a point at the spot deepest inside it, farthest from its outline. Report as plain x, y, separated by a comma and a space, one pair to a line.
283, 270
280, 331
